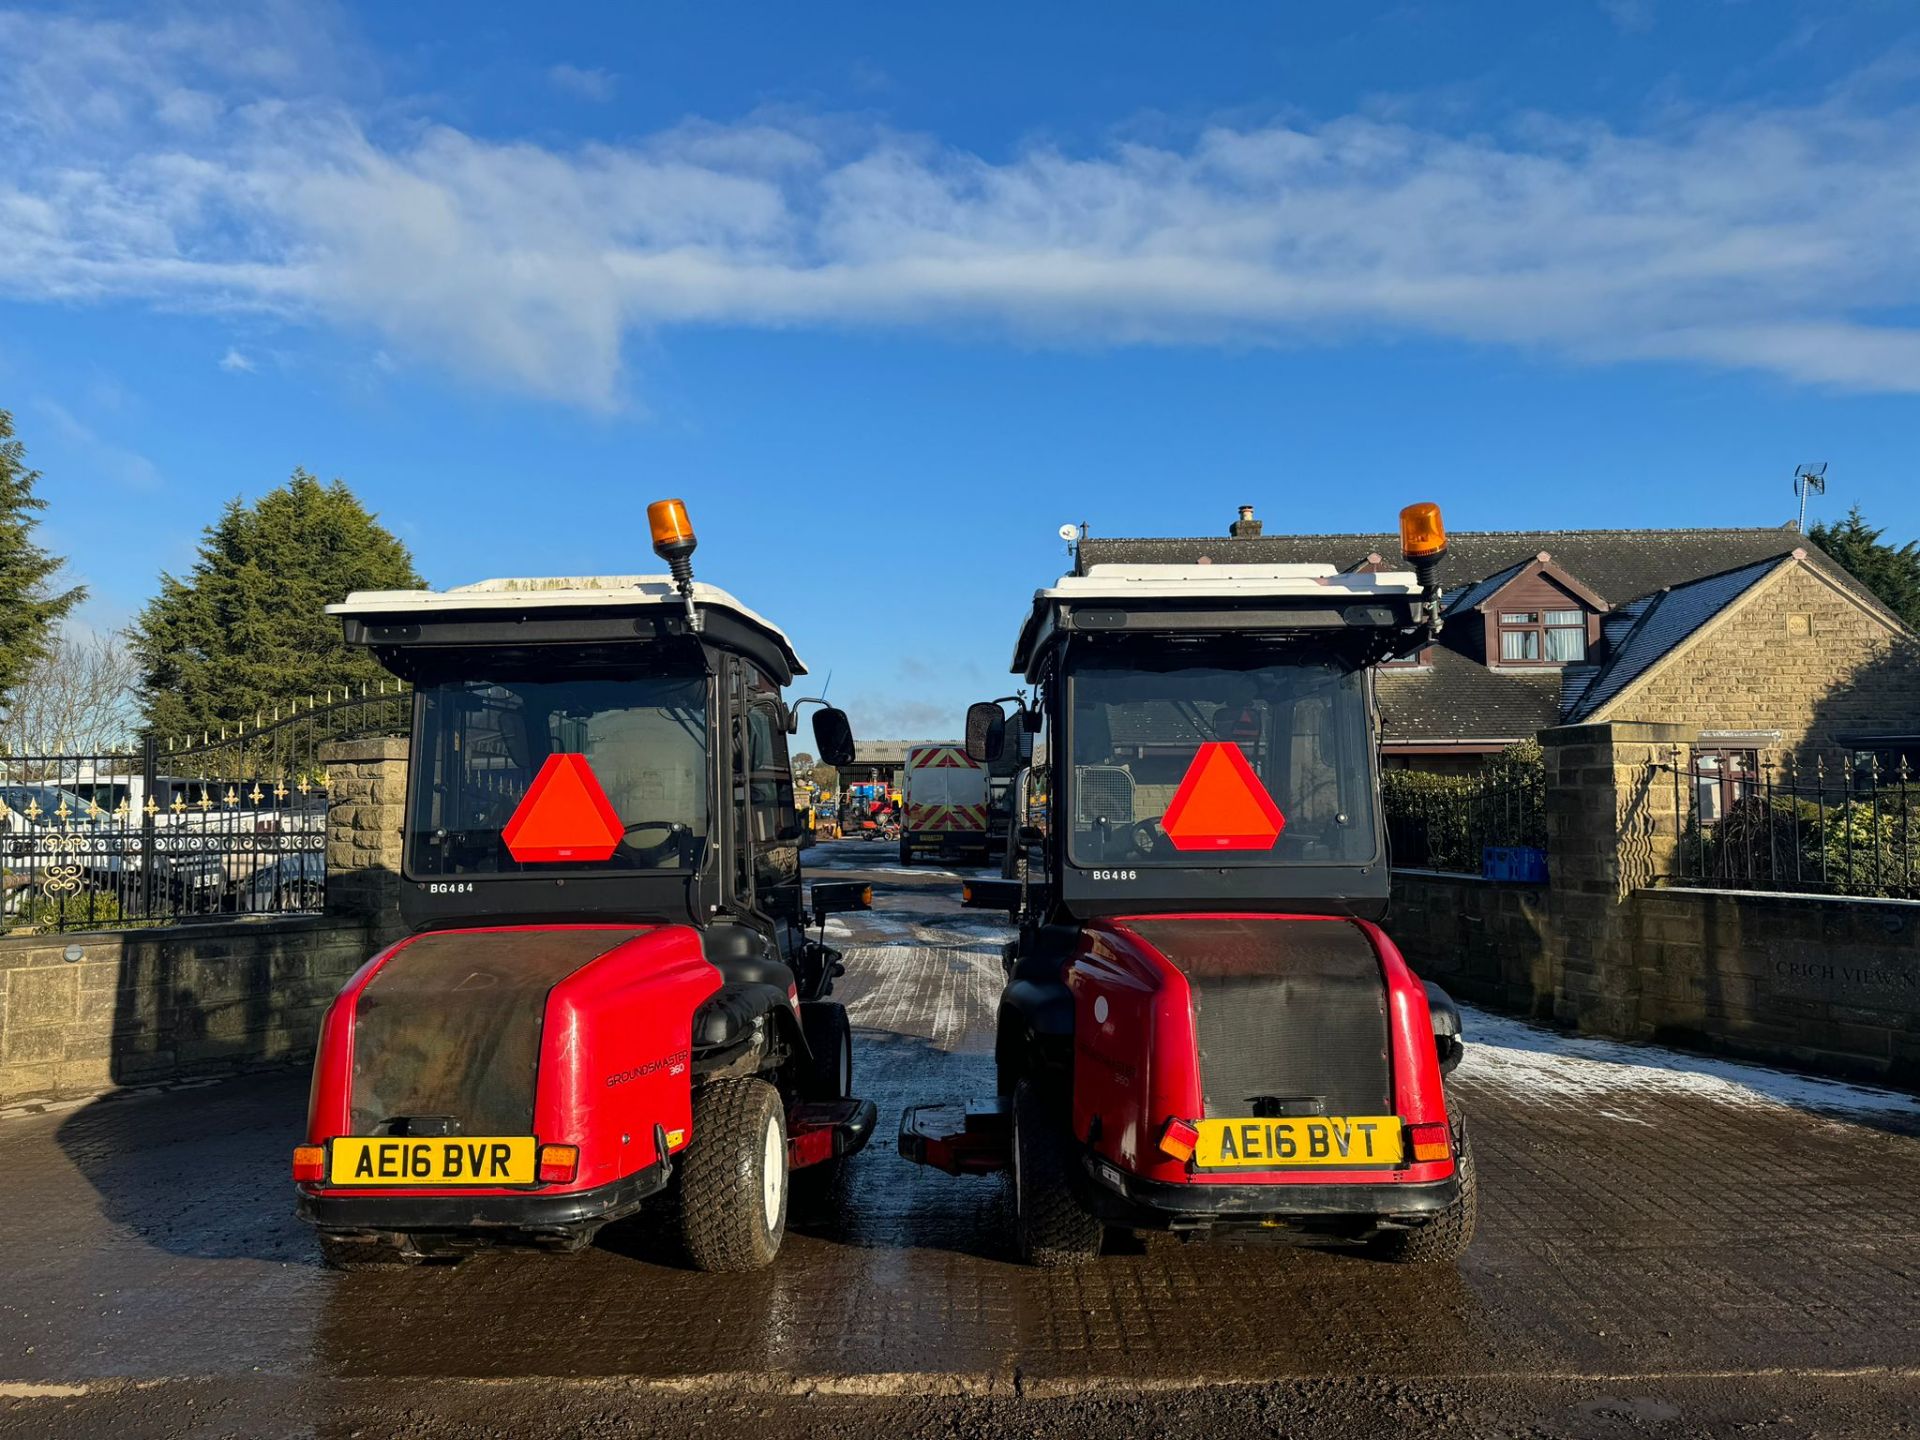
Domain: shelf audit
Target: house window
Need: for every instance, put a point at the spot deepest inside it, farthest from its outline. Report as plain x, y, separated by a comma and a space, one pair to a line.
1536, 637
1720, 778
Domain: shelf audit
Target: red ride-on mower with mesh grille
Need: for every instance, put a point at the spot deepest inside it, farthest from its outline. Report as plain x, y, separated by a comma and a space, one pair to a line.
608, 993
1204, 1027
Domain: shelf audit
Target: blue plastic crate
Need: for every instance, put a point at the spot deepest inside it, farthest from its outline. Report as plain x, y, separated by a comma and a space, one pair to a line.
1524, 863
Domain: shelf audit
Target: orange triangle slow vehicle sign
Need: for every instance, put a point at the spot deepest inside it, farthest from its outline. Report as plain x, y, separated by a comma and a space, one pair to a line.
564, 815
1221, 804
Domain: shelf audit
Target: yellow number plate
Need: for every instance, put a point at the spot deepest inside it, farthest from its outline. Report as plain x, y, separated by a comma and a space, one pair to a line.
453, 1160
1315, 1140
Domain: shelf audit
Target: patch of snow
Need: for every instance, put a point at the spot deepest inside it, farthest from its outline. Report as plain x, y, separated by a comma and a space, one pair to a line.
1531, 1063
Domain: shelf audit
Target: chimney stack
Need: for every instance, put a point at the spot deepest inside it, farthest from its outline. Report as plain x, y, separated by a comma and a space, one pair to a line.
1246, 527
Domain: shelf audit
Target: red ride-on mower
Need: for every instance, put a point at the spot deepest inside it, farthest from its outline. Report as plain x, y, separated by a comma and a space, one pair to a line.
1204, 1027
608, 992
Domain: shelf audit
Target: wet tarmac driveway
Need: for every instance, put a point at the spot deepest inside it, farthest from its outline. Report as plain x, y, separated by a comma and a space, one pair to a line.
1667, 1246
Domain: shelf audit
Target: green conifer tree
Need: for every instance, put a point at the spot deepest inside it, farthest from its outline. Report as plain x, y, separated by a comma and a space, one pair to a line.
1890, 571
246, 630
29, 608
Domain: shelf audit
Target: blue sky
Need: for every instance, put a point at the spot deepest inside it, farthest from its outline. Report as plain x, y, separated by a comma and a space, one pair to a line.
888, 293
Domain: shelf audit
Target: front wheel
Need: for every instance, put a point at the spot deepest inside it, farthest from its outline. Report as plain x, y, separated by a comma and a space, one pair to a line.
729, 1193
1051, 1227
1443, 1239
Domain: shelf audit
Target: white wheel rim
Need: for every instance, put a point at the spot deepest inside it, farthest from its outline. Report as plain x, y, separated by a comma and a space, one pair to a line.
773, 1172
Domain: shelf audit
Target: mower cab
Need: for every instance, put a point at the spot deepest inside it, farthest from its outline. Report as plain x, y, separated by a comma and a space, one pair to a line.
1204, 1026
608, 991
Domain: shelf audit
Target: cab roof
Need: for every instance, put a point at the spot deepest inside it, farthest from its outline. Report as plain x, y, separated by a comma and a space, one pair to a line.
604, 594
1225, 596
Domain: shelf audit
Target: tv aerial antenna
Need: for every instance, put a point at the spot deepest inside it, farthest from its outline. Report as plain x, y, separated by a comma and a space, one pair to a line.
1809, 480
1073, 534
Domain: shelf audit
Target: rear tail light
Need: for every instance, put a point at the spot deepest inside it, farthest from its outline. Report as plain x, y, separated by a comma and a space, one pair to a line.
558, 1163
309, 1162
1429, 1142
1178, 1140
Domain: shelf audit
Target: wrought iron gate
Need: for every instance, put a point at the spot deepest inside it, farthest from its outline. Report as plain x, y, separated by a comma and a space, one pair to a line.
233, 824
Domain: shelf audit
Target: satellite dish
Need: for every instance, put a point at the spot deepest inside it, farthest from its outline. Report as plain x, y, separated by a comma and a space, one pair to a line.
1069, 533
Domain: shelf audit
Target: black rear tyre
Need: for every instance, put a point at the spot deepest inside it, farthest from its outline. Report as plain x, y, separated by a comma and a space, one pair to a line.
729, 1192
1051, 1227
1443, 1239
906, 851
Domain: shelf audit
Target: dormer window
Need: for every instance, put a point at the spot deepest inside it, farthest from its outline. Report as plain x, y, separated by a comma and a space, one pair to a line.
1542, 637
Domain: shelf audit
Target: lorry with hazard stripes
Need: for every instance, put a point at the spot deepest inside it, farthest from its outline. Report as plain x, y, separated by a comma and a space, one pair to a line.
946, 802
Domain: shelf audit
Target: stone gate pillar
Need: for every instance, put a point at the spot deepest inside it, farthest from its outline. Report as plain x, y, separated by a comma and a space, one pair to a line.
1612, 826
367, 788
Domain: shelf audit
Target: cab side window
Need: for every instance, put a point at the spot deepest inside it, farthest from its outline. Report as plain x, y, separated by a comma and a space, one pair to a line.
773, 825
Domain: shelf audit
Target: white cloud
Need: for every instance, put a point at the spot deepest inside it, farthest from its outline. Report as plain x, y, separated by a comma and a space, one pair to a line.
1632, 16
237, 360
106, 460
596, 85
1781, 240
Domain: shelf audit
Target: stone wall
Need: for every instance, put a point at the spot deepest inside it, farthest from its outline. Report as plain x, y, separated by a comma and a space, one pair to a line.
1825, 983
1482, 940
83, 1013
1799, 656
1829, 984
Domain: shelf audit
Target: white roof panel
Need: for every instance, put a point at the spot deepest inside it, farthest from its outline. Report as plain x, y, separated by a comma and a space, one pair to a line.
1227, 582
599, 592
1232, 584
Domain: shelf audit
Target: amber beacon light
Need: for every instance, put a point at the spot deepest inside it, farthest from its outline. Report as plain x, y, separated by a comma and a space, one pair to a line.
673, 542
1422, 535
672, 530
1423, 540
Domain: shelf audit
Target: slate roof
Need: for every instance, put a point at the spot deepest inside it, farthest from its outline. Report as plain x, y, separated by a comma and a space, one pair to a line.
1620, 565
1480, 591
1459, 699
1664, 622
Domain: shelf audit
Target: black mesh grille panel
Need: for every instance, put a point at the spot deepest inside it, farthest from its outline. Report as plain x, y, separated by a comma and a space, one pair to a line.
451, 1026
1102, 792
1291, 1015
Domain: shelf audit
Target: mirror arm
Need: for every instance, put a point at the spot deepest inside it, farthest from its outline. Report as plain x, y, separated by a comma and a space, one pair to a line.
793, 710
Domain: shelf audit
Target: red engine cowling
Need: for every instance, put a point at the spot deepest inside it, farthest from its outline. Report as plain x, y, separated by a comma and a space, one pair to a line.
1138, 1053
575, 1034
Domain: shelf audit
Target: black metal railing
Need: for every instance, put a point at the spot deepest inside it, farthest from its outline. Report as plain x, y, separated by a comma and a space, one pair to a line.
1491, 824
1838, 825
229, 824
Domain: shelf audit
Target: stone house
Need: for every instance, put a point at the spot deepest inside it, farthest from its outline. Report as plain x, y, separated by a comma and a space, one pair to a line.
1753, 639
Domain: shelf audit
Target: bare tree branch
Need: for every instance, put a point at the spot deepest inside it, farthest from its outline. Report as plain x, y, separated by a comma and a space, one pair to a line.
77, 699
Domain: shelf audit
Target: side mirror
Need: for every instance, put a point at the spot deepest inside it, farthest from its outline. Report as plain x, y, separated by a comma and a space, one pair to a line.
839, 897
833, 737
986, 732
